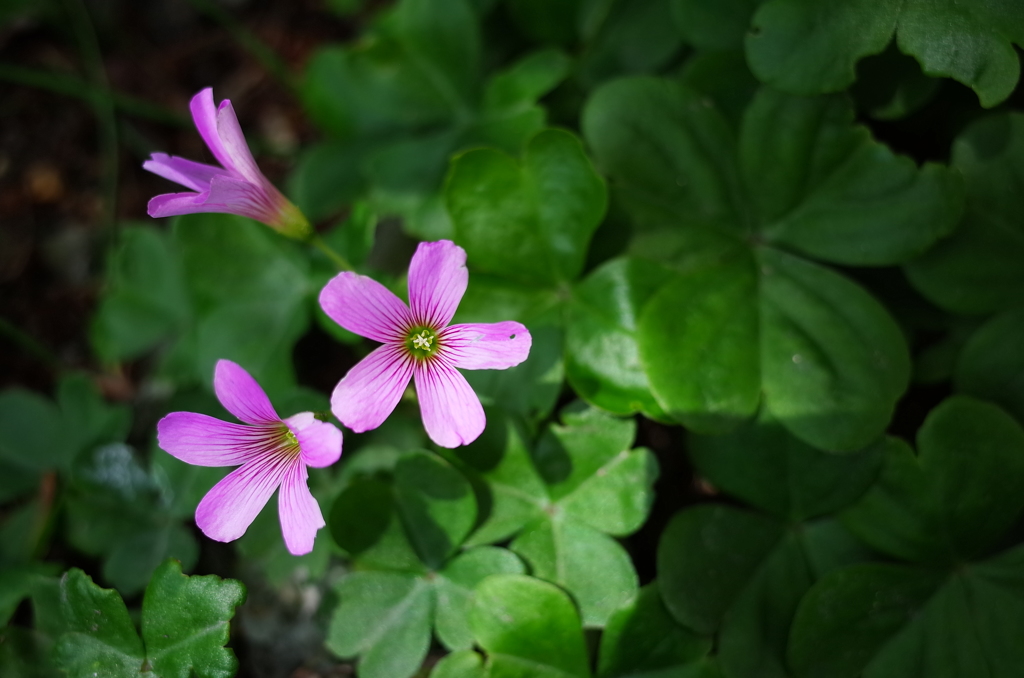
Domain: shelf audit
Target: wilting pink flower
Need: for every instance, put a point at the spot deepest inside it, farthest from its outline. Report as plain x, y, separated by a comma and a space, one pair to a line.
270, 453
237, 187
419, 345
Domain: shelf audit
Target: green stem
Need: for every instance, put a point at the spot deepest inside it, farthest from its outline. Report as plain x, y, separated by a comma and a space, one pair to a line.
340, 261
69, 85
267, 57
30, 345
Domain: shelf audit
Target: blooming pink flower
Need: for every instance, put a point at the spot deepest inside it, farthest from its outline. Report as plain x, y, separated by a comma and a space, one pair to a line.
237, 187
420, 345
271, 453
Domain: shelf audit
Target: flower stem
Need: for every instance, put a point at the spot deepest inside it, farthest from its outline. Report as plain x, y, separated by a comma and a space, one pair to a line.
340, 261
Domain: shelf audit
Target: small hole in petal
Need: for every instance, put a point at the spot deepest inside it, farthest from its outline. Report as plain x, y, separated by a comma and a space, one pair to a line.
511, 336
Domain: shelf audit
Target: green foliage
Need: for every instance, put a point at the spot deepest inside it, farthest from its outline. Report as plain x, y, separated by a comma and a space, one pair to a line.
808, 47
184, 627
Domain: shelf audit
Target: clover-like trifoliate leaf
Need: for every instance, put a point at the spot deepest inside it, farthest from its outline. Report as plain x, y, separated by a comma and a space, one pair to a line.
528, 221
384, 618
827, 358
642, 640
889, 621
436, 504
824, 187
185, 623
956, 497
379, 85
602, 360
586, 562
991, 362
807, 47
714, 25
460, 664
527, 627
581, 484
743, 575
767, 467
977, 269
146, 299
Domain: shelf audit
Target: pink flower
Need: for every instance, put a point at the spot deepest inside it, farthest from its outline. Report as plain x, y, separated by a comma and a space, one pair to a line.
419, 345
237, 187
270, 453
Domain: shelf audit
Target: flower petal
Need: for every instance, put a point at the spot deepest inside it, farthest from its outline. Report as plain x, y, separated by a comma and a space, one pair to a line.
319, 441
239, 157
365, 397
229, 508
299, 512
204, 115
486, 346
239, 393
364, 306
173, 204
437, 280
226, 195
451, 410
204, 441
194, 175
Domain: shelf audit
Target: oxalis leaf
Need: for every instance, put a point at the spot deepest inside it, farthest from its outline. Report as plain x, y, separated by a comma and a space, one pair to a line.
741, 574
739, 319
581, 484
528, 221
977, 269
952, 612
184, 627
807, 47
405, 537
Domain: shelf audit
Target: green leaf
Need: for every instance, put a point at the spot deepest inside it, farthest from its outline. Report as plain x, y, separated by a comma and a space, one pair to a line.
826, 188
528, 221
326, 178
509, 115
587, 563
515, 491
384, 618
884, 621
766, 466
977, 270
461, 664
364, 522
246, 282
641, 640
146, 300
891, 86
718, 546
725, 78
553, 22
25, 653
32, 433
714, 26
454, 589
957, 497
602, 361
667, 149
635, 36
850, 613
185, 623
99, 636
808, 47
418, 68
698, 345
992, 361
436, 504
527, 627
